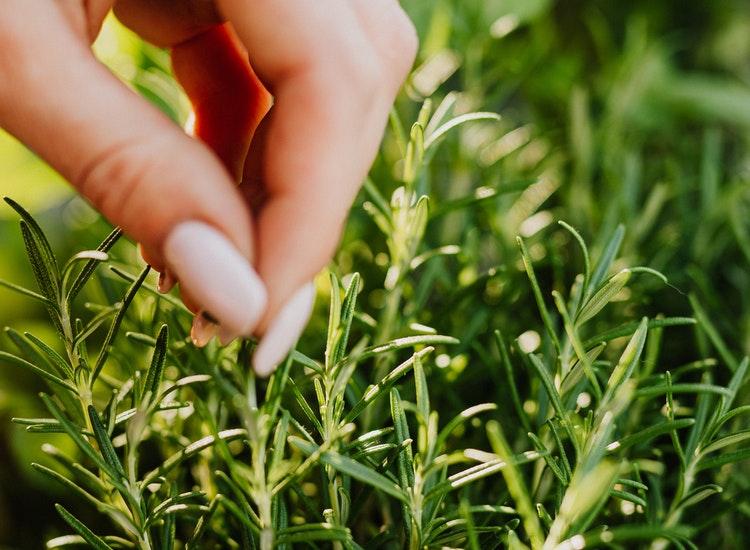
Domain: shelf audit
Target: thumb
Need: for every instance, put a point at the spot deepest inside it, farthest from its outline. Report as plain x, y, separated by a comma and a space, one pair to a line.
166, 190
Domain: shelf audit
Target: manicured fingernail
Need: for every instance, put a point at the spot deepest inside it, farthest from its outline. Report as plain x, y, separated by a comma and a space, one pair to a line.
204, 328
226, 336
166, 282
216, 275
284, 330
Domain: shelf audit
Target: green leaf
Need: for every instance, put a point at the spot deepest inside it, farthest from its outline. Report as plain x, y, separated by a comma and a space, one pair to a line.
342, 376
475, 473
94, 541
437, 524
184, 382
728, 416
608, 257
584, 252
602, 296
105, 444
628, 497
576, 372
512, 382
68, 484
158, 360
433, 137
334, 320
554, 397
699, 422
407, 342
367, 439
91, 264
704, 322
306, 408
448, 250
38, 371
581, 353
169, 523
96, 484
26, 292
115, 326
460, 419
461, 532
304, 534
202, 525
557, 436
514, 543
431, 118
236, 501
549, 460
647, 434
398, 130
737, 381
630, 357
516, 485
347, 466
175, 501
699, 494
44, 250
85, 256
347, 316
383, 221
583, 499
414, 154
629, 328
537, 291
373, 392
75, 433
189, 451
276, 469
620, 535
45, 428
46, 278
44, 269
726, 441
83, 332
422, 394
405, 460
55, 359
480, 195
33, 355
653, 391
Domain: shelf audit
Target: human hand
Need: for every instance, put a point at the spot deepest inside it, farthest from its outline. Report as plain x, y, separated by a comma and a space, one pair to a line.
244, 255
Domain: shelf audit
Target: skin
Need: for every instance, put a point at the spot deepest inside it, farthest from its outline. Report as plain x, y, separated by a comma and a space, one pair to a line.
330, 68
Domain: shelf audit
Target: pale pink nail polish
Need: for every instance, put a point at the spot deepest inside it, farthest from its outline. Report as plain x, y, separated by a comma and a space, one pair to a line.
166, 282
216, 275
284, 330
203, 330
226, 336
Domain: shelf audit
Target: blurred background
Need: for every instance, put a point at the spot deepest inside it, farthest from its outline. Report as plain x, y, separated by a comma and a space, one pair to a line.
634, 113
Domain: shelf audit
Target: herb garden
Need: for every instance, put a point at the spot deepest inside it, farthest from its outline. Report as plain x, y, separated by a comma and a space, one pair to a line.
534, 333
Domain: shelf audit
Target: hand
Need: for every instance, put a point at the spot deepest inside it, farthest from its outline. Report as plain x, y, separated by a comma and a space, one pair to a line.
244, 255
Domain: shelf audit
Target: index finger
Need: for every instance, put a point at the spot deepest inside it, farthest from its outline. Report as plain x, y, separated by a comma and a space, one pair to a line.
334, 68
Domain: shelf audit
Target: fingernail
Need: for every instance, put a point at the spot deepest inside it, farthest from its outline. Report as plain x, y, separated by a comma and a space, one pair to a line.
226, 336
284, 330
166, 282
204, 328
216, 275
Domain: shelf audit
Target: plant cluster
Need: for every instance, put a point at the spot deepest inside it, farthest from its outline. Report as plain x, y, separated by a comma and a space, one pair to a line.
534, 332
187, 447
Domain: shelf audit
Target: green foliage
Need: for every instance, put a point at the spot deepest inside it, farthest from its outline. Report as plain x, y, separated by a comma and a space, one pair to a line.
535, 331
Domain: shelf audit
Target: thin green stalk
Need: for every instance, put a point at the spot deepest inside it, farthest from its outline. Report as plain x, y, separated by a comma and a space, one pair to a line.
516, 486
